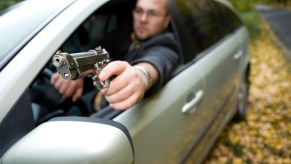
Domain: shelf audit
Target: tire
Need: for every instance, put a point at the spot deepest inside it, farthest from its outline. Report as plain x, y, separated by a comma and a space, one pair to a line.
242, 102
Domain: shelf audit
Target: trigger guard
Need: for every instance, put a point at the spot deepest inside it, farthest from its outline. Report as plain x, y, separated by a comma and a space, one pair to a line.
102, 84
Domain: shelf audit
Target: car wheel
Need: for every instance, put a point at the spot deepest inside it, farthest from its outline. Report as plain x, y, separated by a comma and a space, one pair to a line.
242, 102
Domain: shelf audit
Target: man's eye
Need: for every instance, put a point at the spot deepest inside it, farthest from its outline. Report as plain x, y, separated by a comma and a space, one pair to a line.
153, 14
139, 11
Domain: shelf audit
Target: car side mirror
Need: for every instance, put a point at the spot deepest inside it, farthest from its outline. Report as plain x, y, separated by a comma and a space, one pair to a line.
73, 140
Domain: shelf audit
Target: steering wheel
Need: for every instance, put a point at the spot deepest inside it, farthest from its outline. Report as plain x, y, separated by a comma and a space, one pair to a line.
51, 102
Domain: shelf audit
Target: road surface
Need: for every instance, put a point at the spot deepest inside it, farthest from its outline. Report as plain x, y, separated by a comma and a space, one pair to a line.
280, 22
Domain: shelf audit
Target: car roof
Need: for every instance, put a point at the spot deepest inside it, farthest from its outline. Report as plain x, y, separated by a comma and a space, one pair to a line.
24, 20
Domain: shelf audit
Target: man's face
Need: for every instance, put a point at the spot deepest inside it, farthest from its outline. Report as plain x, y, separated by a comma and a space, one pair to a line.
150, 18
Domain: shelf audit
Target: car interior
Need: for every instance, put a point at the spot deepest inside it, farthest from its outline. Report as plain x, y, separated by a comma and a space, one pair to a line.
46, 101
41, 102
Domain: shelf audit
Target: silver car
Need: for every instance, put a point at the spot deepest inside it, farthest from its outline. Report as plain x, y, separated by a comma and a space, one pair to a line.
178, 124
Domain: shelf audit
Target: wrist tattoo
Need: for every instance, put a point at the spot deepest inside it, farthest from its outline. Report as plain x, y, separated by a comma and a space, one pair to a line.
145, 72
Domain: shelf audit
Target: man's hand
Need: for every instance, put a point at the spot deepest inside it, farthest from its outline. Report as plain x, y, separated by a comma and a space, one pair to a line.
129, 85
67, 88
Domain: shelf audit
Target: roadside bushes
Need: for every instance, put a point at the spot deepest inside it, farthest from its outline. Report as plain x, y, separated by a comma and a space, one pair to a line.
7, 3
248, 14
242, 5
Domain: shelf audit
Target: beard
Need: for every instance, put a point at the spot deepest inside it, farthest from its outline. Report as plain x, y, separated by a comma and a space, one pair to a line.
142, 35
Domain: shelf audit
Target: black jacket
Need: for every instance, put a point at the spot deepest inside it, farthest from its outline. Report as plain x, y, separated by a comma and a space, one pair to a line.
160, 51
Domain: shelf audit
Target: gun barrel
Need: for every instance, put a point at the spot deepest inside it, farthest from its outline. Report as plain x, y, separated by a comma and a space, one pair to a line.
77, 65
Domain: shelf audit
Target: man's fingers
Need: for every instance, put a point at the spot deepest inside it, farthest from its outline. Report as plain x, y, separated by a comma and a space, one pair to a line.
126, 104
77, 94
121, 95
56, 81
53, 78
117, 84
67, 90
112, 69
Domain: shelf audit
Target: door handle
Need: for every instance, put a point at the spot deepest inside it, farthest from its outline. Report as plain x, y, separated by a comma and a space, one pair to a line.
237, 55
192, 105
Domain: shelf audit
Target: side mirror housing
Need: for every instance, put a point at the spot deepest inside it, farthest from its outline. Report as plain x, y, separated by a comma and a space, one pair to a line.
73, 140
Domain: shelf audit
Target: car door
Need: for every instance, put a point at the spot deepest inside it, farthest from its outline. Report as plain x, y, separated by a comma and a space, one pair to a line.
161, 131
218, 42
165, 125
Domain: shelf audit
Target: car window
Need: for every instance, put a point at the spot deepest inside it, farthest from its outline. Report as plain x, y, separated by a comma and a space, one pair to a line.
106, 19
40, 101
46, 101
227, 19
88, 35
201, 22
207, 21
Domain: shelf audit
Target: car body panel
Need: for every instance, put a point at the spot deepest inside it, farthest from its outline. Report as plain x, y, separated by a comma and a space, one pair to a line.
51, 142
54, 34
222, 82
20, 24
151, 119
200, 121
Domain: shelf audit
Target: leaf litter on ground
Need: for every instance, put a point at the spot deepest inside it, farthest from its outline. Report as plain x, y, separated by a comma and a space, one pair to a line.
265, 136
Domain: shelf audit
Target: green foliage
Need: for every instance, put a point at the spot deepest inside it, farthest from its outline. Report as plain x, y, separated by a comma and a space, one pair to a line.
245, 5
252, 20
7, 3
242, 5
248, 14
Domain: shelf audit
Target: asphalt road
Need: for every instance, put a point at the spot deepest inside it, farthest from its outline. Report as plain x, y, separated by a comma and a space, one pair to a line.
280, 22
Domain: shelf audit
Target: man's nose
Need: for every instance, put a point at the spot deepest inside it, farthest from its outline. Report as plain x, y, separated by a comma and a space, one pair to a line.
144, 16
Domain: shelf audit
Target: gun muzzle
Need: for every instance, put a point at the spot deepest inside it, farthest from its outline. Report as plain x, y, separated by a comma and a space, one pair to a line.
77, 65
58, 60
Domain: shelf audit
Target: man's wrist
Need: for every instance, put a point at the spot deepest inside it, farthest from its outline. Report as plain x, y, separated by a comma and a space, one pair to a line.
146, 73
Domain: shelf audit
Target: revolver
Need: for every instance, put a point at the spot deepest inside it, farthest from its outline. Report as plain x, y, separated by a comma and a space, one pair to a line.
77, 65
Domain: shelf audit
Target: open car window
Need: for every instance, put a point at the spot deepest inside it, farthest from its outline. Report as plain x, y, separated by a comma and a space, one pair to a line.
46, 101
88, 35
106, 19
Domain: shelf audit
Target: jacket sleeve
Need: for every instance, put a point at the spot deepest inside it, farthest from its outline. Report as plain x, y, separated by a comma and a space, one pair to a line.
162, 52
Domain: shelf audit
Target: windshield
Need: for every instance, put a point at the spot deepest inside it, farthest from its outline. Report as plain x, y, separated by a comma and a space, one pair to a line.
22, 21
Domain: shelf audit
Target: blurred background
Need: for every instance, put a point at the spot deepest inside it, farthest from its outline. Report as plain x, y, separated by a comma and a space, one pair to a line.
265, 136
247, 9
6, 3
